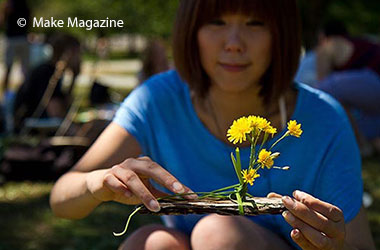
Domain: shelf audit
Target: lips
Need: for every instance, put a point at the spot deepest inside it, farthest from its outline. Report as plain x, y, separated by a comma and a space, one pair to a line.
234, 67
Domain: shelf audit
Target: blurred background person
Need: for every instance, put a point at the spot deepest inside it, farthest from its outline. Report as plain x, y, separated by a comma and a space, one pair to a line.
348, 68
154, 60
17, 45
65, 48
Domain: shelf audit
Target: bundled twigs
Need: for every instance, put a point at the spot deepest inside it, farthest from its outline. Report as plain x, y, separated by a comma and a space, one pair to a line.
234, 199
252, 206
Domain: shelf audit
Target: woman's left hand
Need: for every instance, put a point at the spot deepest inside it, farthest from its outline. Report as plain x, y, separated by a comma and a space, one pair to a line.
316, 224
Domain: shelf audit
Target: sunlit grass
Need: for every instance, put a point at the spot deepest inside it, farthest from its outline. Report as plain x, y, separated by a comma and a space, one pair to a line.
27, 222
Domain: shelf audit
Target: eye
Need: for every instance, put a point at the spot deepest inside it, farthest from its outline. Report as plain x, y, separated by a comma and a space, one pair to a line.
255, 23
218, 22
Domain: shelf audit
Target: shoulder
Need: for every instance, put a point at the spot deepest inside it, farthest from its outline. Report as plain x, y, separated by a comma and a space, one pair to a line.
320, 107
160, 90
165, 83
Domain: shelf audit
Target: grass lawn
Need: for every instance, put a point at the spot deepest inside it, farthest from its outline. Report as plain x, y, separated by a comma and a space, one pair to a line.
27, 223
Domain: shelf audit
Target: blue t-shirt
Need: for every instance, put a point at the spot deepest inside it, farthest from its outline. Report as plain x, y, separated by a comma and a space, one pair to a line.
324, 161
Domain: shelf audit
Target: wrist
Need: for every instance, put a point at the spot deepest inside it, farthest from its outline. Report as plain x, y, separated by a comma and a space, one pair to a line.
95, 186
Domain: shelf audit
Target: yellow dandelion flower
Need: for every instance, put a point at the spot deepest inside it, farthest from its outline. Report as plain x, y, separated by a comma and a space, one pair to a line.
249, 176
253, 120
239, 129
270, 130
261, 123
294, 128
265, 159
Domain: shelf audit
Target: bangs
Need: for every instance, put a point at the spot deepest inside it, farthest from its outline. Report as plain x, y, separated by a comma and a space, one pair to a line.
208, 10
280, 16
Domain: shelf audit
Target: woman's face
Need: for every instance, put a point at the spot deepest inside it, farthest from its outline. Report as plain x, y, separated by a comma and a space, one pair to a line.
235, 51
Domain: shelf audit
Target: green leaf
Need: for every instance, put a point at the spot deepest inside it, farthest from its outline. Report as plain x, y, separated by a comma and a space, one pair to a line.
237, 168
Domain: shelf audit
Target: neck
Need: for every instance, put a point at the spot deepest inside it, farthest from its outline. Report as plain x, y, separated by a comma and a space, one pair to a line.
230, 106
220, 108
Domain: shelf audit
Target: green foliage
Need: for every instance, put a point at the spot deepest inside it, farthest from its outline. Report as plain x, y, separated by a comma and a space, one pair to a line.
360, 16
155, 17
148, 17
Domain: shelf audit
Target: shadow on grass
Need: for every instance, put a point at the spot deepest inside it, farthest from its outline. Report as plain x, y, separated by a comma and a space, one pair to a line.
31, 225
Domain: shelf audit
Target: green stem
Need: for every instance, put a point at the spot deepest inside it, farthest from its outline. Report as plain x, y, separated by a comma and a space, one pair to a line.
240, 203
252, 155
225, 188
237, 165
127, 224
282, 137
264, 140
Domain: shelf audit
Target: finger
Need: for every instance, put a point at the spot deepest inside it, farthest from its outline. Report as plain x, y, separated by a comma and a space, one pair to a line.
116, 186
330, 211
315, 237
301, 240
313, 218
156, 192
144, 158
273, 195
192, 195
137, 187
156, 172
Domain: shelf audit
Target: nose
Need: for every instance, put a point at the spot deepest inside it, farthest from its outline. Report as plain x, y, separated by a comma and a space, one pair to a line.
233, 40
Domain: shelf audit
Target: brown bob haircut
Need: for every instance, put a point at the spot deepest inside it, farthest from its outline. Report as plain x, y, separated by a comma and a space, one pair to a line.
282, 18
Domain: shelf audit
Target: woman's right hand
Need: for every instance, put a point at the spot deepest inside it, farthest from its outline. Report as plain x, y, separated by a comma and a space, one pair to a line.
129, 183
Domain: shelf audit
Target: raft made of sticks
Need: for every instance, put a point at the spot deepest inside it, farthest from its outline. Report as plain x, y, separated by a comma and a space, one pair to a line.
252, 206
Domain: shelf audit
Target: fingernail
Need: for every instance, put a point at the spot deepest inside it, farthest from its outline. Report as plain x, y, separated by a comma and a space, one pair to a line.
296, 233
128, 193
299, 194
191, 196
178, 187
285, 214
288, 201
154, 206
288, 216
194, 196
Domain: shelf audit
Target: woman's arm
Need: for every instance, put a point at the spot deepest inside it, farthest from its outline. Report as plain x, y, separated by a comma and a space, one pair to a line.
109, 171
324, 60
70, 197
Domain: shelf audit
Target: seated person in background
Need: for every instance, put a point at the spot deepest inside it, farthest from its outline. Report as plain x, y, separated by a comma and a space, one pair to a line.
349, 69
154, 60
16, 43
65, 48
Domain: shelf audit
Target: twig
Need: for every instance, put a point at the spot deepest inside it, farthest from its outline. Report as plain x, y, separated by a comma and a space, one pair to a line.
252, 206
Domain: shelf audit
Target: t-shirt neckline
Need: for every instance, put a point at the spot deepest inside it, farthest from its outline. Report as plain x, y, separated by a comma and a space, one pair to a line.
209, 136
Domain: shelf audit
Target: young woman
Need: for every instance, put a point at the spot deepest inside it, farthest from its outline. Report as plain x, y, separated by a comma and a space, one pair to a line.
233, 58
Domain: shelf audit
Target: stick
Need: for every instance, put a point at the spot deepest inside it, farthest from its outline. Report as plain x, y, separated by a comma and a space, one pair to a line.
252, 206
